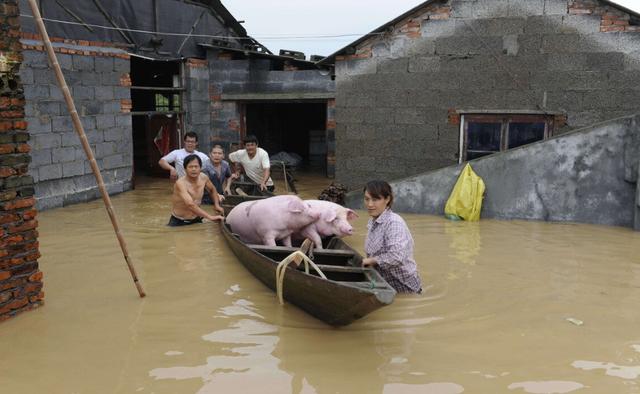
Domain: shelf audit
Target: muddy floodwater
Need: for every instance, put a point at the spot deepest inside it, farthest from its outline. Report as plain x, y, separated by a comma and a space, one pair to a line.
508, 307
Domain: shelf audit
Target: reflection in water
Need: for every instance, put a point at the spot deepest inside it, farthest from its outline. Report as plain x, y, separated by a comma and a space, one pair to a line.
493, 315
550, 387
429, 388
252, 343
464, 240
611, 369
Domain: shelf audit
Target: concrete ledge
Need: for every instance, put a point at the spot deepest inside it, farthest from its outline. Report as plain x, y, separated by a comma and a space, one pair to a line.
277, 96
79, 196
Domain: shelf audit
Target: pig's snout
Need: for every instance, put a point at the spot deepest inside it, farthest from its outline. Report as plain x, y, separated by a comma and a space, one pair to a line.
347, 230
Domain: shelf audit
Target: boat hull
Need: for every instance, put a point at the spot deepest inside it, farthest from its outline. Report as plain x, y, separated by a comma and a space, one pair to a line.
336, 301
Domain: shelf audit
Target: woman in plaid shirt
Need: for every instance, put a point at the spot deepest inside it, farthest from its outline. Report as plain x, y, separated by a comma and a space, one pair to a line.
389, 245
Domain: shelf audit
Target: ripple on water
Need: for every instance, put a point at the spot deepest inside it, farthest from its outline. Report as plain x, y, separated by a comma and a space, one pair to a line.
547, 387
429, 388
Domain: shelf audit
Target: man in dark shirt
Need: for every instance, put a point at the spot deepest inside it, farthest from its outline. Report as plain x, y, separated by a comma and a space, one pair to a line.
219, 173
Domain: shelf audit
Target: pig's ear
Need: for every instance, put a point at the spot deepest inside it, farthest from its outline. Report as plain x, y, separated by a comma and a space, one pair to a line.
295, 206
351, 215
329, 215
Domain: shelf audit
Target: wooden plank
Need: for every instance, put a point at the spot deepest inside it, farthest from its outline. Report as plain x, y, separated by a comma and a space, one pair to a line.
342, 268
158, 88
287, 249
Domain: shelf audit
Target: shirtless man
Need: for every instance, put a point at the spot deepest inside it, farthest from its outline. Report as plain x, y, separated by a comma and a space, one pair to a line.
187, 195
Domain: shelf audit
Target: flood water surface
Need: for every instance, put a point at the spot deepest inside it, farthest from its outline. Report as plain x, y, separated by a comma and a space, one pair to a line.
508, 307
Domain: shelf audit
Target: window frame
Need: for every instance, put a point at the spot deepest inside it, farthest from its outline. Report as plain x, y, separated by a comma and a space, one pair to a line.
505, 119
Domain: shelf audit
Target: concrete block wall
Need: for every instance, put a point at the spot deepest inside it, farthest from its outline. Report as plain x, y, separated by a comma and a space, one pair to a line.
589, 175
226, 75
252, 76
396, 92
98, 78
197, 102
20, 277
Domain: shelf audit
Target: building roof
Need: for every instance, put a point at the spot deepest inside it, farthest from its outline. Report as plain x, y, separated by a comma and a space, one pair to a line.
158, 29
223, 12
349, 48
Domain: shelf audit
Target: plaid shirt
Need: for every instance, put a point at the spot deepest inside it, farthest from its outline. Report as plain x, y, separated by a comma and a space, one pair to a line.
390, 242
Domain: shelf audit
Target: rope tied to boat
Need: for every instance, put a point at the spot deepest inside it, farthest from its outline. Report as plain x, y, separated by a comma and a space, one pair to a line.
282, 267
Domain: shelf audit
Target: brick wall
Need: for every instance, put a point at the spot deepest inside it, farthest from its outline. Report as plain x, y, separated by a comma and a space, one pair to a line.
99, 80
20, 278
397, 95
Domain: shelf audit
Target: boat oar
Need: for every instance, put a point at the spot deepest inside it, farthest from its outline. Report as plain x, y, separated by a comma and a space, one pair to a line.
83, 139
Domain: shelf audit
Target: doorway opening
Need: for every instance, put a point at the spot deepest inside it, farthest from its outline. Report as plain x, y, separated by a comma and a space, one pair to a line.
294, 128
157, 112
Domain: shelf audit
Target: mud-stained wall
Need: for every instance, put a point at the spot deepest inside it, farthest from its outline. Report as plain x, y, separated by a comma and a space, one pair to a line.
20, 278
588, 176
399, 94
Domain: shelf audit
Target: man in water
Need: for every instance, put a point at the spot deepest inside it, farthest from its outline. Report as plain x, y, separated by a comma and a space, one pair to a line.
187, 195
255, 162
219, 173
177, 156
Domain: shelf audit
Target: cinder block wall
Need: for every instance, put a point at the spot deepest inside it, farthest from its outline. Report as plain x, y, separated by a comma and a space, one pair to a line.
98, 77
238, 76
198, 105
398, 93
20, 278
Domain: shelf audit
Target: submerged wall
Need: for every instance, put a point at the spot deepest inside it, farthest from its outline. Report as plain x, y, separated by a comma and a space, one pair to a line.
20, 277
587, 176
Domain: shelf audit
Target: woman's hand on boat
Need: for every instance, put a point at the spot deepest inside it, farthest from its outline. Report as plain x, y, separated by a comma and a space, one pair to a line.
369, 262
215, 218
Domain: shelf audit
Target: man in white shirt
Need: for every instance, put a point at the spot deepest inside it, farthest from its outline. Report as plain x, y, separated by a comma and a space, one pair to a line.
177, 156
255, 162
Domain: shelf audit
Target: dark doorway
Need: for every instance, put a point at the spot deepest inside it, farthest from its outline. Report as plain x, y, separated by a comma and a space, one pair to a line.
293, 128
156, 95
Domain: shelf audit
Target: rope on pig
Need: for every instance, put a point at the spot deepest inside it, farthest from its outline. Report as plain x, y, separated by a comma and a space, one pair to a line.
282, 268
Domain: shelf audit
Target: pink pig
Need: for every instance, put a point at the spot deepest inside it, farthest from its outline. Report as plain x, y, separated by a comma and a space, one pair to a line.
334, 220
271, 219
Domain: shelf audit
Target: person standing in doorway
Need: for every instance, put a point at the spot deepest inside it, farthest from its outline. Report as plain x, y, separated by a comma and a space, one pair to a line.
177, 156
389, 244
255, 162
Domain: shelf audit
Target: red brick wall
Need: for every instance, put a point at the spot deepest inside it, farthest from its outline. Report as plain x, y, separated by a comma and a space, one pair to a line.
20, 278
611, 19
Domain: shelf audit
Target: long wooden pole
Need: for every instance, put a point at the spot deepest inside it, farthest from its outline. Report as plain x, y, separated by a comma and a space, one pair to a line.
83, 139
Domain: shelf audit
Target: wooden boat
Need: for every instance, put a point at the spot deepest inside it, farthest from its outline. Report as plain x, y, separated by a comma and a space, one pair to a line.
349, 292
241, 192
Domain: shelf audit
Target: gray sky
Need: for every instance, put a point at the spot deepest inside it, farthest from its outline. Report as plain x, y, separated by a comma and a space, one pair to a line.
270, 20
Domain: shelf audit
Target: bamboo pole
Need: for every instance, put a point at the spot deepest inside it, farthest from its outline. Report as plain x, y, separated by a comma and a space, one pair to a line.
83, 139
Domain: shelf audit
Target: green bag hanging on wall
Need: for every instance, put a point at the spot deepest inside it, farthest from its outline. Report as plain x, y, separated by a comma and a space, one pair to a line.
465, 201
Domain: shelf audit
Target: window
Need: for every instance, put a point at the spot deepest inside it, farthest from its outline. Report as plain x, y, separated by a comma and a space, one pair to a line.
167, 102
490, 133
